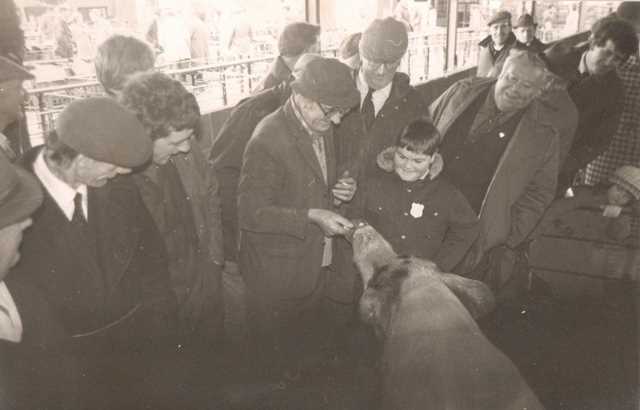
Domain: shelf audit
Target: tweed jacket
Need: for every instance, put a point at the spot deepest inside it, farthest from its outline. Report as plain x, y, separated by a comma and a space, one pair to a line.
524, 182
281, 179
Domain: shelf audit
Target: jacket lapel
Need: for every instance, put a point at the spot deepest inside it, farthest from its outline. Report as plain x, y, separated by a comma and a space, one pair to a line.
303, 141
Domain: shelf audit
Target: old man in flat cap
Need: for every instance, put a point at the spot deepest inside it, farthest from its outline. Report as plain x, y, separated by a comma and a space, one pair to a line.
93, 281
494, 48
288, 188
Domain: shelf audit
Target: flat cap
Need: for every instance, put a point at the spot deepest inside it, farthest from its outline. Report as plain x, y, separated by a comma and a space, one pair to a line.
327, 81
102, 129
384, 41
296, 38
499, 16
20, 193
10, 70
526, 20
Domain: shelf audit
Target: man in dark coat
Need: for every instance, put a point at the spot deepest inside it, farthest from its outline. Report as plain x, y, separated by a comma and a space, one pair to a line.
295, 40
494, 48
594, 87
93, 290
500, 149
525, 30
286, 196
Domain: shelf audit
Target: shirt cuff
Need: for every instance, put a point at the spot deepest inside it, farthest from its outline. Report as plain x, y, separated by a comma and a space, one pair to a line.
10, 323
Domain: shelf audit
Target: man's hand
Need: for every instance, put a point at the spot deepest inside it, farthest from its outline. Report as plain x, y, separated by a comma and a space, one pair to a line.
345, 188
330, 222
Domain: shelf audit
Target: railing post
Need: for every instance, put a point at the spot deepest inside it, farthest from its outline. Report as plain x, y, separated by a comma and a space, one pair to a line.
42, 108
224, 88
249, 74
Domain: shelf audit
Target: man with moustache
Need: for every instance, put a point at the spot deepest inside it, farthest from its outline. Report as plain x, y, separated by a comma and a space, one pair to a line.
501, 151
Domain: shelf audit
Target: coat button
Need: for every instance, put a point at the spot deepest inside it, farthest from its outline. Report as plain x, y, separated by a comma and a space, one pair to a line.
435, 214
409, 190
406, 214
403, 236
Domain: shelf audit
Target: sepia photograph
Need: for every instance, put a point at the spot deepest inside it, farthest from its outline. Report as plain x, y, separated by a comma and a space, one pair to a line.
319, 205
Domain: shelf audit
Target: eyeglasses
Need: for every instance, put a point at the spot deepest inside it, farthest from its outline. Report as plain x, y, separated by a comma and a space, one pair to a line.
376, 66
330, 112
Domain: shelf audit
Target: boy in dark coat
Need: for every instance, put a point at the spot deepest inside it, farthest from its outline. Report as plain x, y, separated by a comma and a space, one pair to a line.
418, 212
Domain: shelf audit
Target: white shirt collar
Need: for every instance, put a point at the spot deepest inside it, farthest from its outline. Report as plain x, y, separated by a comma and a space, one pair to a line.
378, 97
61, 193
582, 67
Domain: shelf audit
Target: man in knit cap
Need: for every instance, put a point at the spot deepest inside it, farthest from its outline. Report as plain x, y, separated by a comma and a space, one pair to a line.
494, 48
288, 188
295, 40
93, 280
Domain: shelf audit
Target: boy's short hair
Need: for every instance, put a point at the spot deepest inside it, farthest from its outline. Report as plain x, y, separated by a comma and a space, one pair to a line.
619, 31
420, 136
120, 56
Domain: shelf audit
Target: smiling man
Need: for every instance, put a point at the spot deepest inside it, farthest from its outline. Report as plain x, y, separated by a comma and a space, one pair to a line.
494, 48
501, 151
594, 87
92, 288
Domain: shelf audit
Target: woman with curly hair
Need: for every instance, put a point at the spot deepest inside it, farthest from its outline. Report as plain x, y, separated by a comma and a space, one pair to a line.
181, 192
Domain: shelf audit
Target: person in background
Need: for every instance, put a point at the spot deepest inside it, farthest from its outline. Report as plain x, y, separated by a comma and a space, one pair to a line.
349, 51
595, 88
525, 30
419, 212
20, 196
625, 144
286, 196
199, 35
118, 58
180, 191
494, 48
12, 96
92, 289
295, 40
501, 151
66, 46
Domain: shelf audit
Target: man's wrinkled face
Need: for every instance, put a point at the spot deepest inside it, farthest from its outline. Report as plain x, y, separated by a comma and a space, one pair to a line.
500, 31
319, 117
518, 84
12, 96
602, 59
525, 34
95, 173
10, 239
378, 75
174, 143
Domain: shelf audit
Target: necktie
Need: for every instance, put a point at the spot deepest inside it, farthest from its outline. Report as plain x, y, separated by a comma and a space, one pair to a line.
78, 218
368, 111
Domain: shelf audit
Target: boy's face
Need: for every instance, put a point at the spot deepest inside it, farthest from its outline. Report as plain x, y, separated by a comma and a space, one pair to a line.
411, 166
617, 195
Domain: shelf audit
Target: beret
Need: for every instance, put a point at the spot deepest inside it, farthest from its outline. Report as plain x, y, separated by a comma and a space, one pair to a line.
296, 38
628, 177
20, 193
526, 20
10, 70
384, 41
327, 81
499, 16
102, 129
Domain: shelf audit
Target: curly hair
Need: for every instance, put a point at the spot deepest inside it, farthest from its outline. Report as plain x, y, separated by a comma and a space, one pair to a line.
120, 56
161, 104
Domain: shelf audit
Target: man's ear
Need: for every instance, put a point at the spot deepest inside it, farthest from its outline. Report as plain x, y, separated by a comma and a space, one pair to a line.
474, 295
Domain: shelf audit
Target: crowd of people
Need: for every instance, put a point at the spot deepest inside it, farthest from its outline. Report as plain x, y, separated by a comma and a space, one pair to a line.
115, 233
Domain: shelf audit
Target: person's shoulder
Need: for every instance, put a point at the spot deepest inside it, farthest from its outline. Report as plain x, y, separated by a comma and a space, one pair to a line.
270, 130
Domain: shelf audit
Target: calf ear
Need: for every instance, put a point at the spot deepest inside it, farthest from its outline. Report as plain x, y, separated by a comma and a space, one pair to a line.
474, 295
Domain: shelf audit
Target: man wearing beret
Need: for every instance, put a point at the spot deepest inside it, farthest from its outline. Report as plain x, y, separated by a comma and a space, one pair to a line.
288, 188
295, 40
93, 286
525, 30
494, 48
387, 102
12, 96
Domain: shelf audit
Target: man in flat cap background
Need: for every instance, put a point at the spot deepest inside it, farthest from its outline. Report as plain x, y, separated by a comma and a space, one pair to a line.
286, 195
494, 48
295, 40
525, 30
12, 96
93, 281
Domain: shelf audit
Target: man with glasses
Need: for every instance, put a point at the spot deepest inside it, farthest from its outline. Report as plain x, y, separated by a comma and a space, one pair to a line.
594, 86
387, 102
286, 210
